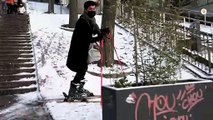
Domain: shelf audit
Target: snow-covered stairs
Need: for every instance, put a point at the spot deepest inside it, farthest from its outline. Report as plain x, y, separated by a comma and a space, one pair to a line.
17, 65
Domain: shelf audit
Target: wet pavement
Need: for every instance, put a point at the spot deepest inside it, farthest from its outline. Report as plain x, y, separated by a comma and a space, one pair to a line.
13, 109
6, 101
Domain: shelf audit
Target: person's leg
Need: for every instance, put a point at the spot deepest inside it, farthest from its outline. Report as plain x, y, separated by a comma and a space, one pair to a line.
74, 85
80, 80
79, 76
13, 7
8, 8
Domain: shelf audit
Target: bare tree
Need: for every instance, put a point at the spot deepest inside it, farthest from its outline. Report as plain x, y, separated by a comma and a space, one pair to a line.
51, 6
156, 31
73, 14
108, 20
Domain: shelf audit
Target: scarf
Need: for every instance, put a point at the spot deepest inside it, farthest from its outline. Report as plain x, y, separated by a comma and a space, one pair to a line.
92, 23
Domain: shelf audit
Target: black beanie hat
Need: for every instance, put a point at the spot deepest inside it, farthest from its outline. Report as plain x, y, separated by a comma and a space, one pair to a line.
89, 3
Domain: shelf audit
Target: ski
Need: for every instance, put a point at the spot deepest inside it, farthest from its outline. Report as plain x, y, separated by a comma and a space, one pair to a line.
61, 100
94, 98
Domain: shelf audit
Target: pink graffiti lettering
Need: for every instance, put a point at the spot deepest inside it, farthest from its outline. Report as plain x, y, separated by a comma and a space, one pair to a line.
183, 117
192, 99
159, 105
189, 87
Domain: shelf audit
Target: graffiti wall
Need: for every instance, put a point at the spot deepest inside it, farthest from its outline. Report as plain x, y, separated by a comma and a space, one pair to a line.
176, 102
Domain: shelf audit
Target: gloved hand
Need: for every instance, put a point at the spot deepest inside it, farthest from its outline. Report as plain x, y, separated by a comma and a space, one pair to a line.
105, 30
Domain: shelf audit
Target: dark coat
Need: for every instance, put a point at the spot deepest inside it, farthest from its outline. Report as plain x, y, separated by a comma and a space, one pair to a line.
81, 39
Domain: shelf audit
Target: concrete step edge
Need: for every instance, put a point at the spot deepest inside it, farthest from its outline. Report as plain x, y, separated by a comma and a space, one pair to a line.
17, 77
16, 84
17, 91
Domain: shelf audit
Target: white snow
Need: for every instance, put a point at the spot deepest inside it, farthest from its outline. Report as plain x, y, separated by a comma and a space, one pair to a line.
51, 46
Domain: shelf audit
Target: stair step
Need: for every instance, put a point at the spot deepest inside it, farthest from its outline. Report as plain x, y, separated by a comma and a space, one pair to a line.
15, 71
15, 25
15, 31
16, 52
17, 91
18, 20
14, 48
15, 40
12, 23
15, 28
15, 43
6, 34
15, 56
6, 16
9, 22
11, 19
24, 16
15, 66
16, 77
14, 84
19, 24
23, 21
14, 37
18, 44
15, 61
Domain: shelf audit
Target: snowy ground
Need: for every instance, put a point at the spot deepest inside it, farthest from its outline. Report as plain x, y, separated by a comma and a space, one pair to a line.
51, 48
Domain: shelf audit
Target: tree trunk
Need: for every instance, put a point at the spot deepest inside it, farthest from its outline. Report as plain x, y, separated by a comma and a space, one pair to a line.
73, 17
108, 20
51, 6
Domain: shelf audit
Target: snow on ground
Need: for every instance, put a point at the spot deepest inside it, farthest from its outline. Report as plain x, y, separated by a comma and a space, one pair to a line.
51, 46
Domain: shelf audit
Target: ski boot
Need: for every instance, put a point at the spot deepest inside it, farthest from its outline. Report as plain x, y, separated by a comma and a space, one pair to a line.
74, 94
83, 91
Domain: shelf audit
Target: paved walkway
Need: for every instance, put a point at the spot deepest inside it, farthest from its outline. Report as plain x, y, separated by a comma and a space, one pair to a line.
13, 109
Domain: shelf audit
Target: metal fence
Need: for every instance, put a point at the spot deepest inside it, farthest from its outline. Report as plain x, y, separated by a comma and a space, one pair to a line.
198, 47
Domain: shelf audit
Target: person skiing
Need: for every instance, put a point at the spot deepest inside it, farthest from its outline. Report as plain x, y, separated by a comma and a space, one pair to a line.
83, 36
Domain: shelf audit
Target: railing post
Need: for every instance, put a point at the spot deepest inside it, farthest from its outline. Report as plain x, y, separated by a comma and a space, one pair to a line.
211, 30
184, 27
209, 54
